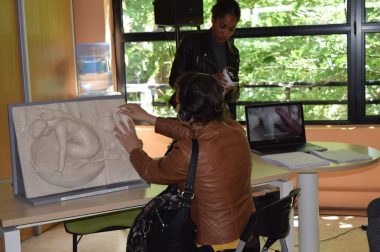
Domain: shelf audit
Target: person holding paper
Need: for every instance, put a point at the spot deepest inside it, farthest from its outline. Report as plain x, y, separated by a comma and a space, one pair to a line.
213, 52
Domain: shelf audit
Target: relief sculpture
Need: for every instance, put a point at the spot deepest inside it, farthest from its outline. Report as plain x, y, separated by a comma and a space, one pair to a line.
70, 145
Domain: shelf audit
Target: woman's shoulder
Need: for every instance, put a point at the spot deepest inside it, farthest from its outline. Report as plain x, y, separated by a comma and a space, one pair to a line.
233, 124
230, 128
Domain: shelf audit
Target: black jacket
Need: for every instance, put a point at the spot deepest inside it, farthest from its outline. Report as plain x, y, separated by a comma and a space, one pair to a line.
195, 53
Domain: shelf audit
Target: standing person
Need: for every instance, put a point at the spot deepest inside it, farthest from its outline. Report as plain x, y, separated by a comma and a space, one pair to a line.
212, 52
222, 201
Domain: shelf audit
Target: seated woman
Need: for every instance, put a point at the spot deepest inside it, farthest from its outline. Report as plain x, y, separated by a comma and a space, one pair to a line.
223, 203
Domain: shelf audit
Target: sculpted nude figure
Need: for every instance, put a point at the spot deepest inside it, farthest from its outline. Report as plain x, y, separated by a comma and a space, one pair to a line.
75, 138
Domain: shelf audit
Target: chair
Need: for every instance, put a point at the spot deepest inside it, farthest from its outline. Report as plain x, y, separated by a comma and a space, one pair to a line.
271, 221
373, 228
101, 223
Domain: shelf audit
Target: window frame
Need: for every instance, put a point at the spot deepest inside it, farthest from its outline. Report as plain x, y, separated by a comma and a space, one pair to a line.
355, 30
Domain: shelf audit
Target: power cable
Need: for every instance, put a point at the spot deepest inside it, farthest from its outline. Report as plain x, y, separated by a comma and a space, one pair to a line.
362, 227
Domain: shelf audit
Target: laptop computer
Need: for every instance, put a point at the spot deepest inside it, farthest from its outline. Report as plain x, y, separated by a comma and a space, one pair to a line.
277, 128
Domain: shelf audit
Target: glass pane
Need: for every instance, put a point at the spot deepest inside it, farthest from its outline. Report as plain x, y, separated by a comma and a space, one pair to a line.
372, 11
267, 13
302, 68
138, 16
148, 67
325, 112
372, 73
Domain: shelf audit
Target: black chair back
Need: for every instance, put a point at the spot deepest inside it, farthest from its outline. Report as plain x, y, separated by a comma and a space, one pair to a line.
272, 220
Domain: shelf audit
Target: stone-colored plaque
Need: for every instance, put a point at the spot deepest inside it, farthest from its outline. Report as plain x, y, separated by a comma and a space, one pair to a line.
70, 145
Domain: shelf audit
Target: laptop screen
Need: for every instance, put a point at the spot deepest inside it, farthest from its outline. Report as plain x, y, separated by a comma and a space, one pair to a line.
280, 123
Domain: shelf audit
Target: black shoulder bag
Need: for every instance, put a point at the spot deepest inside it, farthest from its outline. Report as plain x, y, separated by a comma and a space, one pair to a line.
164, 224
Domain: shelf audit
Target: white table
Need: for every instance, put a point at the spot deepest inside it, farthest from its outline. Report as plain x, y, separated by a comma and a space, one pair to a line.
16, 214
308, 204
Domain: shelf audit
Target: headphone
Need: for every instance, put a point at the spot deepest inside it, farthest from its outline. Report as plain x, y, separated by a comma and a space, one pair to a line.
183, 115
187, 104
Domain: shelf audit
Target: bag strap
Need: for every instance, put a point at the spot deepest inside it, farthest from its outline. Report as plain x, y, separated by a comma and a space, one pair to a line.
170, 148
189, 186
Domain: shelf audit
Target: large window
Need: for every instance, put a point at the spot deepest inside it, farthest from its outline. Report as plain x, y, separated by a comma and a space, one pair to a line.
325, 53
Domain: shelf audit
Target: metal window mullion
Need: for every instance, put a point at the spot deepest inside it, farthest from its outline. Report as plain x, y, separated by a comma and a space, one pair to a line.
357, 85
119, 47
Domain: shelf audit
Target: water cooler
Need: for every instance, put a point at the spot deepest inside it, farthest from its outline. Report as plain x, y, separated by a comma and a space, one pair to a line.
94, 70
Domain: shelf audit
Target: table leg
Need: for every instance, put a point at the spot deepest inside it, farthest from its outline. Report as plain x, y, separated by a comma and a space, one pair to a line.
308, 213
12, 242
286, 186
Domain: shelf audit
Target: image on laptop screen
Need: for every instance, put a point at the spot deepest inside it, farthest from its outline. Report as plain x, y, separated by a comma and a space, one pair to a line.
273, 123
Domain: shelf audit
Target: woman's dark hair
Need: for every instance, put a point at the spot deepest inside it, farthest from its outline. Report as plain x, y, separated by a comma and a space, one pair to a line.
223, 7
200, 97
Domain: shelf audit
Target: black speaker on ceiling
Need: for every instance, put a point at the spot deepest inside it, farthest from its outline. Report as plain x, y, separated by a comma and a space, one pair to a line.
178, 12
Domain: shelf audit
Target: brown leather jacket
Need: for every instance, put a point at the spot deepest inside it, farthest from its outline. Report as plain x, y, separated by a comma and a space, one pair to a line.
222, 203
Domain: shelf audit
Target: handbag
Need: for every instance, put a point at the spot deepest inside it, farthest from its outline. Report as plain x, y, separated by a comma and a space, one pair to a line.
165, 224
